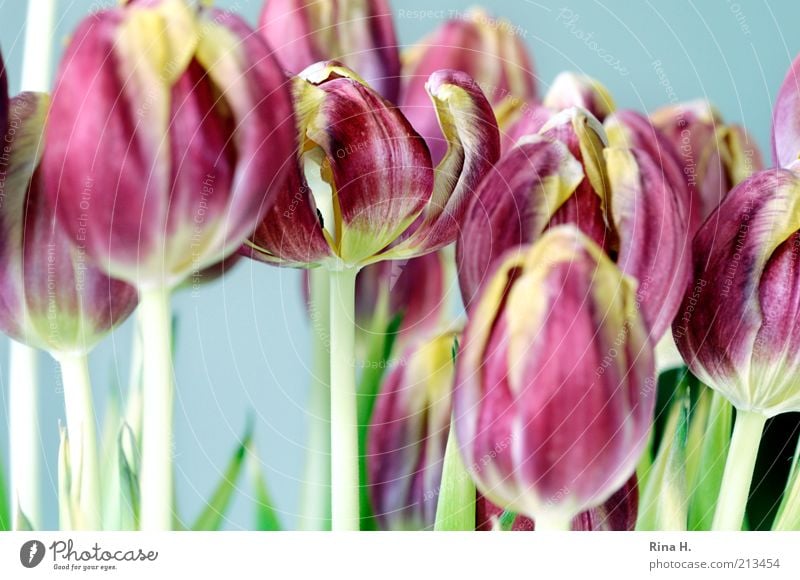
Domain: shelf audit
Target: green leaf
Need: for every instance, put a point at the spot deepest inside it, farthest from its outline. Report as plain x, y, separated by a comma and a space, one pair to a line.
5, 516
375, 367
455, 510
25, 524
266, 516
128, 478
67, 508
713, 439
788, 516
664, 502
212, 517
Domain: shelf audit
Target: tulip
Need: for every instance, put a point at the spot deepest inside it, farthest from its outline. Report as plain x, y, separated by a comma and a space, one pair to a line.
618, 513
54, 299
574, 90
170, 130
715, 156
545, 439
374, 196
785, 123
735, 328
488, 49
408, 435
621, 198
358, 33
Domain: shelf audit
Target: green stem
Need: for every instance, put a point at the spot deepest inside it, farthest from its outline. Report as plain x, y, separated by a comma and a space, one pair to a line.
788, 516
82, 433
552, 522
344, 418
738, 474
23, 430
316, 492
158, 396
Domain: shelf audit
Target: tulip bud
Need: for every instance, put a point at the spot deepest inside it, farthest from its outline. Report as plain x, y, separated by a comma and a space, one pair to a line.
358, 33
736, 326
544, 438
573, 90
54, 298
617, 514
408, 435
715, 156
786, 120
372, 193
170, 130
489, 50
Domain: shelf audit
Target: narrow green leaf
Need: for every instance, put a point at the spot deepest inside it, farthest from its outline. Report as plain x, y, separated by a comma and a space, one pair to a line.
212, 517
788, 516
25, 524
455, 510
705, 479
129, 478
664, 502
66, 507
375, 368
5, 502
506, 521
266, 516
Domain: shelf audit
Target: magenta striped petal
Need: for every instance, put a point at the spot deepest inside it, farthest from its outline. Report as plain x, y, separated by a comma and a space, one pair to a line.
735, 326
786, 119
358, 33
486, 49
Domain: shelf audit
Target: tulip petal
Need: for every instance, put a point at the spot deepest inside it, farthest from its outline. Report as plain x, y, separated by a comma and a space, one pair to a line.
513, 205
473, 147
653, 234
3, 97
786, 119
574, 90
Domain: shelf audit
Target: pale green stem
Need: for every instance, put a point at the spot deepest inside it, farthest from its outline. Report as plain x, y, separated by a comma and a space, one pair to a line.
37, 58
316, 492
788, 516
23, 430
133, 405
344, 417
82, 434
738, 474
552, 522
158, 399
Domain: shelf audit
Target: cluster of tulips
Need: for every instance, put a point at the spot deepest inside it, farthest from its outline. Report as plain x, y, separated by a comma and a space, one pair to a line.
587, 243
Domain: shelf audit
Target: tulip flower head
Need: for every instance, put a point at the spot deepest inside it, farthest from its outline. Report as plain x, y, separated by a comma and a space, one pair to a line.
358, 33
488, 49
568, 174
715, 156
555, 387
408, 435
54, 297
170, 128
736, 326
374, 194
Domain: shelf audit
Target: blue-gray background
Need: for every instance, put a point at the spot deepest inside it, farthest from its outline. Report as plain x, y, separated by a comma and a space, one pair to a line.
243, 342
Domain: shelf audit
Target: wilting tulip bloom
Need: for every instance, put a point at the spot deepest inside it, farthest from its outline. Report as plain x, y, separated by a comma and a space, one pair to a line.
575, 90
488, 49
737, 328
54, 297
358, 33
170, 128
170, 131
786, 121
715, 156
408, 435
617, 514
555, 384
621, 198
415, 289
378, 197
